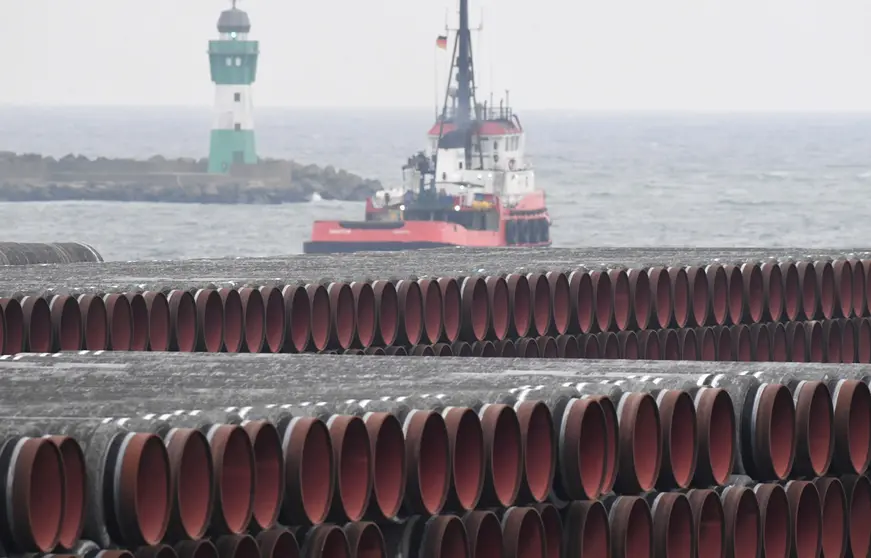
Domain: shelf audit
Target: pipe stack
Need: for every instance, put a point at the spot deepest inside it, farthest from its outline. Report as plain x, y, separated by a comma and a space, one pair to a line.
16, 253
703, 403
690, 304
597, 457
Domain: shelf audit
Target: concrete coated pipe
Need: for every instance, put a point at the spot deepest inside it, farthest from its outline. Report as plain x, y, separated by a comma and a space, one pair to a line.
441, 536
15, 253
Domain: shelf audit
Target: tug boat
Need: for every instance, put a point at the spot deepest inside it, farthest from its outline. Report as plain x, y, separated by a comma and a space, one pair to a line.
472, 186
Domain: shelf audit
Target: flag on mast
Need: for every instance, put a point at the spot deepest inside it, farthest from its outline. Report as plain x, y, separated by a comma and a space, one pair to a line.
442, 42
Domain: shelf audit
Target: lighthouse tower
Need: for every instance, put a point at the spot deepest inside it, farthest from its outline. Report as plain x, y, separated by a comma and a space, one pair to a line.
233, 60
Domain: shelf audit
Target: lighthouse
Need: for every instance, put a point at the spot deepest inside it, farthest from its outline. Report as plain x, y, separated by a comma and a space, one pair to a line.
233, 61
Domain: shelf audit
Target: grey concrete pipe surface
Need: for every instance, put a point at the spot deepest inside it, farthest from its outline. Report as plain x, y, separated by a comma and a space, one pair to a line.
227, 380
260, 377
158, 275
127, 379
121, 383
15, 253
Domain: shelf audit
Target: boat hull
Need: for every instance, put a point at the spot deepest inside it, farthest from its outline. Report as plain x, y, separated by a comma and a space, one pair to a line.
314, 247
367, 236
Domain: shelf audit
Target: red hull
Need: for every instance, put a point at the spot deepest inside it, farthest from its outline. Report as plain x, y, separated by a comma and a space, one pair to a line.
525, 225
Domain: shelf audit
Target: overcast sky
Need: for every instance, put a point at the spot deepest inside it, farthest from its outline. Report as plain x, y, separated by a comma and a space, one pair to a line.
577, 54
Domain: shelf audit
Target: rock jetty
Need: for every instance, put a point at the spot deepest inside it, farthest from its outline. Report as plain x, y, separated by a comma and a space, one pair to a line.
28, 177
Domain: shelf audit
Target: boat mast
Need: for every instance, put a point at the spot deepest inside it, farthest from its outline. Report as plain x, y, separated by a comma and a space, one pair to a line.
463, 117
465, 76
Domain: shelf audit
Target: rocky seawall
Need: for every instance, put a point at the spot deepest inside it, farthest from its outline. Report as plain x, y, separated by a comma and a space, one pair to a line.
27, 177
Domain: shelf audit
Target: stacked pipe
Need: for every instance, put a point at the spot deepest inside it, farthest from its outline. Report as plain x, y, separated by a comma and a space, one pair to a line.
454, 456
145, 448
756, 307
16, 253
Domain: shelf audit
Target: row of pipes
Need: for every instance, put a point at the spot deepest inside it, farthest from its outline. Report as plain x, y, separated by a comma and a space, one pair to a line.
133, 449
833, 341
381, 313
156, 322
136, 448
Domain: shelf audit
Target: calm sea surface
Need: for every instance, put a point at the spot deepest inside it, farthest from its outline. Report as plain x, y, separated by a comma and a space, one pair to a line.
611, 179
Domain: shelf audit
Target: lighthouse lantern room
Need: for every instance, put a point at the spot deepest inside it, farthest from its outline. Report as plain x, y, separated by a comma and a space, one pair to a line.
233, 61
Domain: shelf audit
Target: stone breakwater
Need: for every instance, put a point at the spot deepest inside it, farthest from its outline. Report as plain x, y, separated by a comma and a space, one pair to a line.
29, 177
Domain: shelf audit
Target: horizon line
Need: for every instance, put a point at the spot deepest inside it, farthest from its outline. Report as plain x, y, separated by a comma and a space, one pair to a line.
376, 108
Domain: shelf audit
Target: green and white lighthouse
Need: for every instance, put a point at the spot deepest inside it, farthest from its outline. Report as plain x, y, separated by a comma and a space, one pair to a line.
233, 60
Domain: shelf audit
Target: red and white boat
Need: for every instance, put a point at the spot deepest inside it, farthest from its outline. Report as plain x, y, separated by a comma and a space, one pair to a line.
473, 185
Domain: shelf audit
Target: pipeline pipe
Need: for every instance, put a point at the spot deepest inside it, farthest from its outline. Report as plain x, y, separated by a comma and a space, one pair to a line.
119, 317
646, 366
433, 310
299, 319
466, 439
234, 357
309, 463
835, 516
232, 459
323, 541
501, 436
680, 436
631, 527
351, 448
484, 533
389, 464
76, 479
159, 325
237, 546
23, 254
673, 529
387, 454
192, 478
858, 492
278, 542
216, 402
743, 521
365, 540
522, 533
815, 441
709, 522
551, 520
200, 548
440, 536
273, 302
190, 469
586, 530
12, 321
851, 438
427, 454
89, 549
33, 494
580, 440
805, 515
448, 262
129, 479
560, 303
639, 457
168, 406
118, 270
156, 551
776, 527
498, 302
763, 452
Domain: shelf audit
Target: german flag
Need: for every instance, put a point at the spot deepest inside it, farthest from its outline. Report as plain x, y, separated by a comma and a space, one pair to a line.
442, 42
